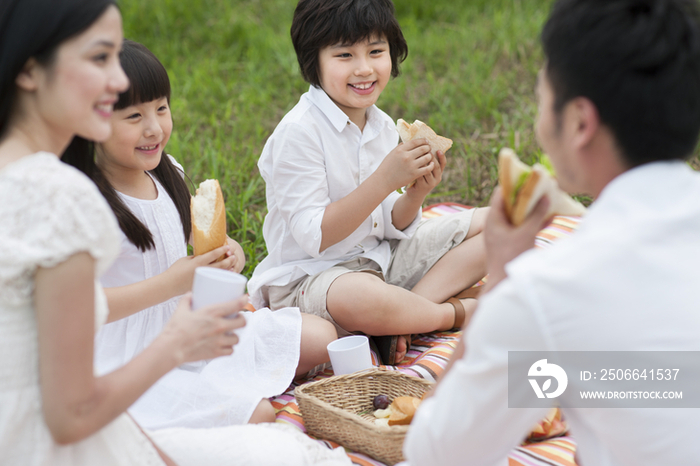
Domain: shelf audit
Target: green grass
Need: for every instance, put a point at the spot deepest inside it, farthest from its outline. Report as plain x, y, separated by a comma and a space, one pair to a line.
470, 74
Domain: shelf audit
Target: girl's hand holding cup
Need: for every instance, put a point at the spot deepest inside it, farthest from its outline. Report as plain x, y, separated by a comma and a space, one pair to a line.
181, 274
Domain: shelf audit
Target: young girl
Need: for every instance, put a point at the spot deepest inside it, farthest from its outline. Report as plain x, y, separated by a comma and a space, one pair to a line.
332, 168
147, 192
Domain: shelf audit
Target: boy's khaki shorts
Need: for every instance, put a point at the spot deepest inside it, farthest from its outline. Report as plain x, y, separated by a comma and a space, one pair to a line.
410, 260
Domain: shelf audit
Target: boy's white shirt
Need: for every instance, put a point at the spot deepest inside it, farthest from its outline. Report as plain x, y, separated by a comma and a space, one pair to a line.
317, 156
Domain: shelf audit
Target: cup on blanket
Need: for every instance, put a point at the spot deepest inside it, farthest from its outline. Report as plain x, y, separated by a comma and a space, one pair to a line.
214, 286
350, 354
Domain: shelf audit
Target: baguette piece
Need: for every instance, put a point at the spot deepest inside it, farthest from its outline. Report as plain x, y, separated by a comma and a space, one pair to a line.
403, 408
208, 218
524, 186
418, 130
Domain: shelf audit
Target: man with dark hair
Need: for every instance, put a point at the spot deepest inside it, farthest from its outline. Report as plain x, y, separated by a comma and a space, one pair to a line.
619, 111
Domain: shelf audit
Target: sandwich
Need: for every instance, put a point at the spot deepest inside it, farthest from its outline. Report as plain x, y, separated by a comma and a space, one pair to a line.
524, 186
418, 130
208, 218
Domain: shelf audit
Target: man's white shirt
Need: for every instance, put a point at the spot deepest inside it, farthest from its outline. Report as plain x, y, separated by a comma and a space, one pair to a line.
627, 280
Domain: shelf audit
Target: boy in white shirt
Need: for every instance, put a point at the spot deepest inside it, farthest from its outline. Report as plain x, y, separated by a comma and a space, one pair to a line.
342, 242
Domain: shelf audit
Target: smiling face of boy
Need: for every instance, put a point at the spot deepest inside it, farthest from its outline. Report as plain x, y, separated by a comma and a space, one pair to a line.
354, 75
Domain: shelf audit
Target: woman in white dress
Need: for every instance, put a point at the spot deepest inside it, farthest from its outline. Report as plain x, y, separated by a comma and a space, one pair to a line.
60, 76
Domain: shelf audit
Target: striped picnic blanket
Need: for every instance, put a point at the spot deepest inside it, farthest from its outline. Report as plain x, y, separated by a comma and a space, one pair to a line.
427, 358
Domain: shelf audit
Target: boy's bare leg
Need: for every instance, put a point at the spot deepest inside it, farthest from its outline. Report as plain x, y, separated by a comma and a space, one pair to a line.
264, 412
460, 268
457, 270
363, 302
316, 333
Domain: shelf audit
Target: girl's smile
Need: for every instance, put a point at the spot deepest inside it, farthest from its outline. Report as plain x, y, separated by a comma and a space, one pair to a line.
139, 135
150, 150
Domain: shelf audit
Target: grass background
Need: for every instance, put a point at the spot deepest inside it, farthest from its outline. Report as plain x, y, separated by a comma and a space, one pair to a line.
470, 74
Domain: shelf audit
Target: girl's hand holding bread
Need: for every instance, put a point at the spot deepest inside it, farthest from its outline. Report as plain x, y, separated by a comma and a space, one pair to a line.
236, 254
209, 226
212, 247
181, 273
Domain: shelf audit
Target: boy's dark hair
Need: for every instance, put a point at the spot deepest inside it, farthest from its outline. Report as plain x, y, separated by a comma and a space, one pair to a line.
36, 28
321, 23
638, 61
149, 81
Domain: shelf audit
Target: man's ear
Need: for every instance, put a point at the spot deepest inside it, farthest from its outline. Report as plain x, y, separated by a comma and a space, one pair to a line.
585, 121
27, 78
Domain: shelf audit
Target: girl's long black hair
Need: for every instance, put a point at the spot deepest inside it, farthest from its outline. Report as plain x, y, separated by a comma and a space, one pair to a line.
149, 81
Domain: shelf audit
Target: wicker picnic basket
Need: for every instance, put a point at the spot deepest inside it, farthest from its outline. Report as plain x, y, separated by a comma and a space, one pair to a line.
340, 409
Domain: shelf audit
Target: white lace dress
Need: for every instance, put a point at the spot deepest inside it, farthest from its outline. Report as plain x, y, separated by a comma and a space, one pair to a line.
49, 212
221, 392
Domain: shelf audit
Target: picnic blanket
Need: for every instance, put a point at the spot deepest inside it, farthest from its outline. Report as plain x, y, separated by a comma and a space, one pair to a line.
427, 359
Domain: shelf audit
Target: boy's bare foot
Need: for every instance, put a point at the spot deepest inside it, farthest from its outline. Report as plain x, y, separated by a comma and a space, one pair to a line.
402, 346
391, 349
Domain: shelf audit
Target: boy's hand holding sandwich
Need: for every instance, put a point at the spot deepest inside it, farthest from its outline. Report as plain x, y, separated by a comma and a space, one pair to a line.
406, 163
418, 163
419, 130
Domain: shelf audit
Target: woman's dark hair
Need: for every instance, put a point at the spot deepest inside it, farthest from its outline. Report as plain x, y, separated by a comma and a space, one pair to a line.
638, 61
321, 23
35, 29
149, 81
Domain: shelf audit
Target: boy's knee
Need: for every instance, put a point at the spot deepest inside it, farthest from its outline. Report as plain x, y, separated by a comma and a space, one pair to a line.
343, 292
318, 328
478, 222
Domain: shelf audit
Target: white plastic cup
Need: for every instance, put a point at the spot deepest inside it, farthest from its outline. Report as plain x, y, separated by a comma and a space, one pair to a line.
214, 286
350, 354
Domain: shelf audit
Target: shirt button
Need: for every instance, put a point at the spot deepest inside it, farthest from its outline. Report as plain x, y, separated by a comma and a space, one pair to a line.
375, 224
